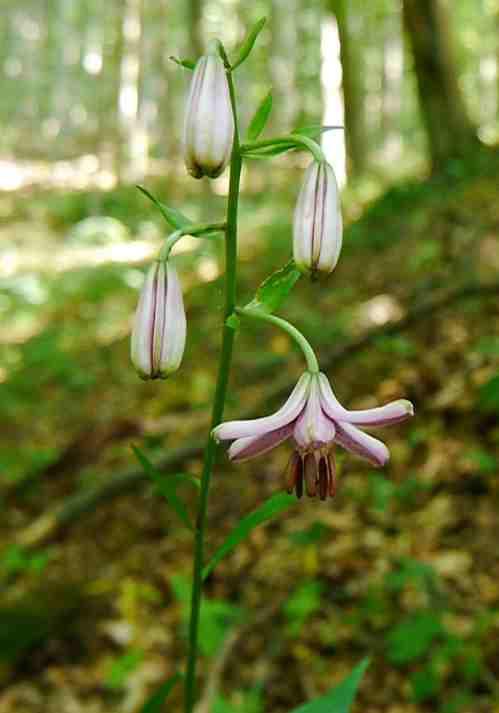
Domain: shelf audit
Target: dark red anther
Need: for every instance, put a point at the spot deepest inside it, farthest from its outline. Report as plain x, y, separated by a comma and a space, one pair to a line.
310, 471
323, 478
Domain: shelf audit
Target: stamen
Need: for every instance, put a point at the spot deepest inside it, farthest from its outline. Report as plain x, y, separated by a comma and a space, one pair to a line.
310, 469
293, 468
332, 475
323, 478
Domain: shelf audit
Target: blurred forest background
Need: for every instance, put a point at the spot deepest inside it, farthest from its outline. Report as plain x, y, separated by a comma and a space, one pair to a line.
403, 565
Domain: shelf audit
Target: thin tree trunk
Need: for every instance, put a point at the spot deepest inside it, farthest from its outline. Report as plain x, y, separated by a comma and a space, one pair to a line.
449, 129
353, 91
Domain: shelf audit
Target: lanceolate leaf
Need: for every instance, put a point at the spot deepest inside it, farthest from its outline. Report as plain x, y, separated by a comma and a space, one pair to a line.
172, 216
340, 698
269, 151
257, 123
248, 43
274, 290
155, 704
186, 63
315, 130
166, 485
273, 506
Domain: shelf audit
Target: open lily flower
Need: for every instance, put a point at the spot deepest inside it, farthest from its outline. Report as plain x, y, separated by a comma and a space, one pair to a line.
315, 419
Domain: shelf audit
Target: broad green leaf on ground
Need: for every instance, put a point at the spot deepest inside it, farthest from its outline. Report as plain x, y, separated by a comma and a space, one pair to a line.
413, 637
302, 603
273, 506
172, 216
122, 667
488, 398
340, 698
155, 704
257, 123
274, 290
249, 42
166, 485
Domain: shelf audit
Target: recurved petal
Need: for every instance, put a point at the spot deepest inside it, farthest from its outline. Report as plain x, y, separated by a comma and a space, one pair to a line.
390, 413
232, 430
174, 327
361, 444
251, 446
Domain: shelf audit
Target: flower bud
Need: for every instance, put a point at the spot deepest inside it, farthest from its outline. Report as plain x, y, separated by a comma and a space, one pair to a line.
317, 225
158, 334
209, 123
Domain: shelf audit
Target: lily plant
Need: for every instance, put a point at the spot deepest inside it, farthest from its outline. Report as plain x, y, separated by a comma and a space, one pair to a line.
312, 417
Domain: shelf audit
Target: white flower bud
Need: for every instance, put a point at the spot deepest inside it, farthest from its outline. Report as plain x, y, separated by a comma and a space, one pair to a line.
158, 334
317, 225
209, 123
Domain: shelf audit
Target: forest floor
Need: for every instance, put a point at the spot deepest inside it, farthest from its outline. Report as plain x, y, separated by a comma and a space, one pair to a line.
402, 566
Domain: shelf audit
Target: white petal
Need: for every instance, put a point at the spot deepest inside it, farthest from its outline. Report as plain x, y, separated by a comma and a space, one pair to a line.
361, 444
390, 413
174, 331
259, 426
253, 446
142, 331
313, 427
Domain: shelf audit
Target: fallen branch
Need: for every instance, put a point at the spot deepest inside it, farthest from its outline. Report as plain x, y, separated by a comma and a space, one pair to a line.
48, 525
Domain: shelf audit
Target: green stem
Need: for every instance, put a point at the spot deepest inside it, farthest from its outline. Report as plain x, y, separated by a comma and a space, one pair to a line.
294, 333
228, 335
197, 230
291, 141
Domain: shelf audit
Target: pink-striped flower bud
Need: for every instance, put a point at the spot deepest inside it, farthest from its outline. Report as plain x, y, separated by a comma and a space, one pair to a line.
158, 334
209, 123
317, 225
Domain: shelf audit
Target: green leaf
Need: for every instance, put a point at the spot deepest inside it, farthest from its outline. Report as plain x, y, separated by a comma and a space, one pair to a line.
172, 216
273, 506
155, 703
269, 151
249, 42
413, 637
257, 123
314, 130
186, 63
167, 486
340, 698
274, 290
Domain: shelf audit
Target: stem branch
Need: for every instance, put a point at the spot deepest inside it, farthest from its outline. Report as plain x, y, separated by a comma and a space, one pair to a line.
294, 333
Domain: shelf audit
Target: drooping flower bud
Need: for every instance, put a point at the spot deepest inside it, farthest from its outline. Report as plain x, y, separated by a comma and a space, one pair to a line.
317, 225
158, 334
209, 123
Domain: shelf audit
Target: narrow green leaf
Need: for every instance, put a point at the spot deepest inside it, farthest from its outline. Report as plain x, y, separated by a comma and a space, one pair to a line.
314, 131
340, 698
257, 123
186, 63
273, 506
172, 216
270, 151
274, 290
249, 42
167, 486
155, 703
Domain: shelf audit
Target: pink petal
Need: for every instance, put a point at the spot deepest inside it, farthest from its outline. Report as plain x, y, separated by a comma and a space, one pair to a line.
361, 444
232, 430
313, 427
390, 413
252, 446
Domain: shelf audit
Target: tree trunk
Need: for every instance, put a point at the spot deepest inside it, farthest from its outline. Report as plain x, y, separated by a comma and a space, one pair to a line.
449, 129
353, 91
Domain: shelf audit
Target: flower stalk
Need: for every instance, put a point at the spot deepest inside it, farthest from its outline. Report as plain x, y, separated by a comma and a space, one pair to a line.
228, 336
